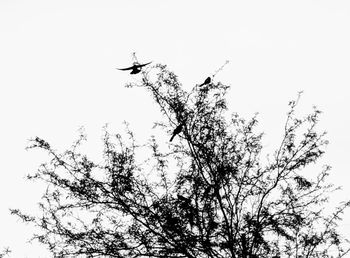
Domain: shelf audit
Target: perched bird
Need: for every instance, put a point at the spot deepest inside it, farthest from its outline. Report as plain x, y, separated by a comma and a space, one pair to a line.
207, 81
177, 130
136, 68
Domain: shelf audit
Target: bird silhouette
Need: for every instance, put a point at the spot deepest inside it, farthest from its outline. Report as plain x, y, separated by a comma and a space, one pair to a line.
207, 81
136, 68
177, 130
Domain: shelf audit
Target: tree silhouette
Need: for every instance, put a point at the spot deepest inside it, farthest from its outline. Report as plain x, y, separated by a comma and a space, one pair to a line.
210, 194
5, 252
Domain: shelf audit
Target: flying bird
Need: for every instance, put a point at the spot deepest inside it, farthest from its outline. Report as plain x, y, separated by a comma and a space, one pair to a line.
136, 68
207, 81
177, 130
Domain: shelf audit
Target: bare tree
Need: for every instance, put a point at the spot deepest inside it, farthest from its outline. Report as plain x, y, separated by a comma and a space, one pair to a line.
222, 198
5, 252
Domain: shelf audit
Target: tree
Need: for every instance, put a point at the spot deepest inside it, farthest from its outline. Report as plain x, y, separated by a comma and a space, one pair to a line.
5, 252
222, 198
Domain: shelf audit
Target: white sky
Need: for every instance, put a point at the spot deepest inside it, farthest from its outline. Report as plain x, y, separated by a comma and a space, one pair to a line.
57, 73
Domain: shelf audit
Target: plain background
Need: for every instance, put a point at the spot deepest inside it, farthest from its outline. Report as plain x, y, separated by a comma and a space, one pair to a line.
57, 73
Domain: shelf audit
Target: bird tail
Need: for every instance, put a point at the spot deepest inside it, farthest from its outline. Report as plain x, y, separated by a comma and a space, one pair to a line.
172, 138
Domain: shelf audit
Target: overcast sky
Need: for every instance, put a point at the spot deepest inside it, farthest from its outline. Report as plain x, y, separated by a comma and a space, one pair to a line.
57, 73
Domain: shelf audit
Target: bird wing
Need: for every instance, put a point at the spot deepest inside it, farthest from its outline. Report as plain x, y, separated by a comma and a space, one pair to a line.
124, 69
141, 65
